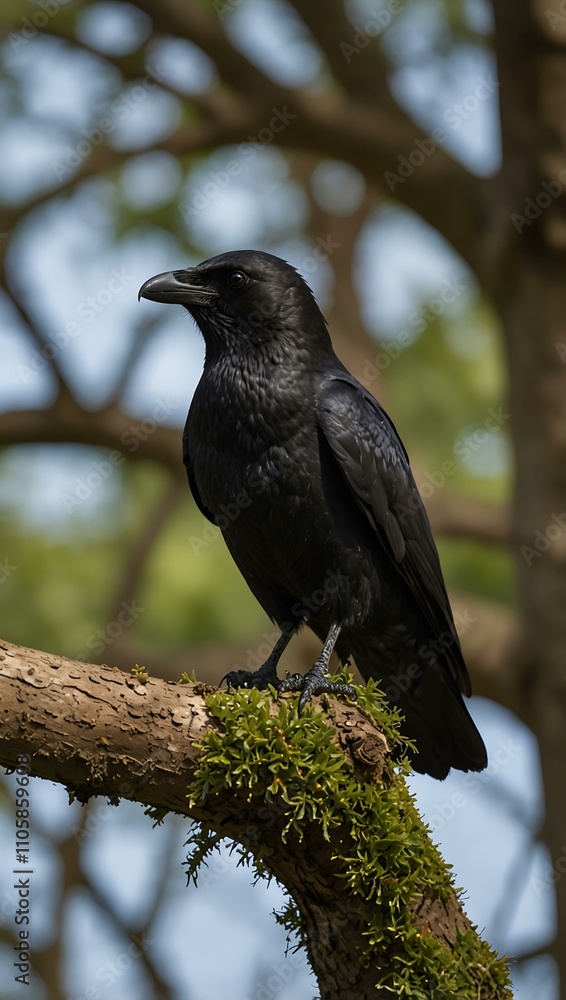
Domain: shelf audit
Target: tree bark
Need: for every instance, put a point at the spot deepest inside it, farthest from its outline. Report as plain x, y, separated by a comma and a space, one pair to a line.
100, 731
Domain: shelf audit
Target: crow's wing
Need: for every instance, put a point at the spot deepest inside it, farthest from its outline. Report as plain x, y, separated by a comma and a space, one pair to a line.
192, 482
376, 468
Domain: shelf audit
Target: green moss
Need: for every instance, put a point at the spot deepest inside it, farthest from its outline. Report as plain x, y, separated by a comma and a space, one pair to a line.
269, 752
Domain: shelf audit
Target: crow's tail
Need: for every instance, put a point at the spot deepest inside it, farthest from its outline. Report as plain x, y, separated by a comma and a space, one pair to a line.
436, 718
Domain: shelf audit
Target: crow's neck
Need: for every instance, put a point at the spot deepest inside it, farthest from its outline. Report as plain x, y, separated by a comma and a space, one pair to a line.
263, 355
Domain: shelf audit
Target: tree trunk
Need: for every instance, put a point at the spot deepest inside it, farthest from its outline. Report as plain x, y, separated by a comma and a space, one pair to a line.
530, 294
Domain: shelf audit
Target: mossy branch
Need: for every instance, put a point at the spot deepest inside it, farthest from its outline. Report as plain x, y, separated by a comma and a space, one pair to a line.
316, 801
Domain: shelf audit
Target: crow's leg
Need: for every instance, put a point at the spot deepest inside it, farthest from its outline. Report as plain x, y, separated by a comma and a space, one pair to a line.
267, 674
316, 680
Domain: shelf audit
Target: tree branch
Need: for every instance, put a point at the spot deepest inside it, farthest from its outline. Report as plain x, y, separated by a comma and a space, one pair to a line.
35, 333
460, 516
136, 560
363, 79
376, 132
350, 338
68, 423
103, 732
204, 29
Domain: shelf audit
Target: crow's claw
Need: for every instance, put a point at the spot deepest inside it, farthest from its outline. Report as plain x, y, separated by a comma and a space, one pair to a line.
312, 683
260, 679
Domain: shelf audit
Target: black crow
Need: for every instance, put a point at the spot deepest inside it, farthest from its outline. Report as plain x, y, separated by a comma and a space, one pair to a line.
307, 478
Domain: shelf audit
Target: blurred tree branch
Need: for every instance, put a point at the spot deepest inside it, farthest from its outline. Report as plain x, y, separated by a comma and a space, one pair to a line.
376, 132
143, 547
67, 422
454, 514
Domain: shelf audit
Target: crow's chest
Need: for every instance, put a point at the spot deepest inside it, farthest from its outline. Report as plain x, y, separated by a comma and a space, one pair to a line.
251, 445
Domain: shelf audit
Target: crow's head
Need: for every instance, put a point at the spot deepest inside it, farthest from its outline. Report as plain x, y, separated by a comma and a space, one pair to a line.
245, 300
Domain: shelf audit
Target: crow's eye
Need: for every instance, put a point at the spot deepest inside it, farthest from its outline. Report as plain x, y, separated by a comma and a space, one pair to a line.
237, 279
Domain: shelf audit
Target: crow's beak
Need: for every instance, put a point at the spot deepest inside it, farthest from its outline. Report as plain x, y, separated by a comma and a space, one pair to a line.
170, 287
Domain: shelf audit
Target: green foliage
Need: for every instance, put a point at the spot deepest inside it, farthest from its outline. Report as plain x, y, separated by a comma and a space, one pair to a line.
203, 843
157, 814
441, 390
271, 754
140, 673
66, 575
465, 565
186, 678
196, 595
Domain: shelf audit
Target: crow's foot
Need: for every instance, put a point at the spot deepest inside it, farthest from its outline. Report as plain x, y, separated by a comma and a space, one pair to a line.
261, 679
315, 681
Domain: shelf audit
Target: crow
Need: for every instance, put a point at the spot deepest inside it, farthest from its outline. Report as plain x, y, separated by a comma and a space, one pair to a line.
307, 478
